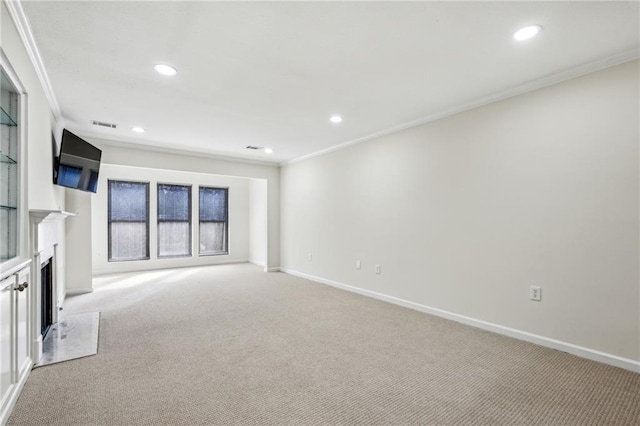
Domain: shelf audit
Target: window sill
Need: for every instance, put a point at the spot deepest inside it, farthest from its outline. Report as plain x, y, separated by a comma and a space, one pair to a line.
179, 256
222, 253
128, 260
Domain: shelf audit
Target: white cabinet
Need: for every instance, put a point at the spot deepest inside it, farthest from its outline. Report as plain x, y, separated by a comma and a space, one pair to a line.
15, 339
9, 168
6, 324
23, 294
17, 293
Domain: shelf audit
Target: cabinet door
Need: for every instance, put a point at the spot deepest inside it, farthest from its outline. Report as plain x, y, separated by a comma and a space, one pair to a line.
9, 168
22, 323
6, 370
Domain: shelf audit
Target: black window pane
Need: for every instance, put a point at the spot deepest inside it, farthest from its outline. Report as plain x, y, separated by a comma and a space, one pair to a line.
173, 202
213, 204
128, 201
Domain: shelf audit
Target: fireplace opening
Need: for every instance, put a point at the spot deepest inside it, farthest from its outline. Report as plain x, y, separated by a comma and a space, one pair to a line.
46, 307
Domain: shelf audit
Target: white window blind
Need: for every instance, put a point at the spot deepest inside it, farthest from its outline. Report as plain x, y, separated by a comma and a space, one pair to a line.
174, 220
128, 220
214, 221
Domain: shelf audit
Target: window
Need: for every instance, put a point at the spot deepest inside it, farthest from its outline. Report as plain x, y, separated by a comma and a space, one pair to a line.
213, 220
174, 220
128, 220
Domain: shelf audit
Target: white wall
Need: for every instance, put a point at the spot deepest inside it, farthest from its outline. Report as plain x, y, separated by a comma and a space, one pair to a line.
37, 192
258, 221
465, 213
238, 218
79, 242
40, 192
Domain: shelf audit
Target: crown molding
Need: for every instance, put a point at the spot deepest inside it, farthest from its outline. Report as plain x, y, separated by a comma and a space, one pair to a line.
559, 77
171, 150
24, 30
22, 25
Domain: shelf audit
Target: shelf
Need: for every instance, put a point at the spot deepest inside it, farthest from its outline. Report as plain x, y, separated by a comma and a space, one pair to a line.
4, 158
6, 119
17, 263
39, 216
3, 207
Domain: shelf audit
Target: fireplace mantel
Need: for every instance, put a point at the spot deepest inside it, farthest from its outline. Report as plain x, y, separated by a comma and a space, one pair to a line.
47, 216
46, 234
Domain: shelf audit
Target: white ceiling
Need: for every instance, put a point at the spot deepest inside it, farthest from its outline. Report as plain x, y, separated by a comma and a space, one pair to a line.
270, 74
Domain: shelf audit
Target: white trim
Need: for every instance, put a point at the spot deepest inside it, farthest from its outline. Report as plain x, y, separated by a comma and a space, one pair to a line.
174, 150
11, 73
22, 25
581, 351
13, 267
23, 163
266, 268
37, 346
549, 80
16, 389
24, 29
76, 291
106, 272
49, 216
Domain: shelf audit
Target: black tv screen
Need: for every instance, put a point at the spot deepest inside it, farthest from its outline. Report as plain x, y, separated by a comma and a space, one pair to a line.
78, 164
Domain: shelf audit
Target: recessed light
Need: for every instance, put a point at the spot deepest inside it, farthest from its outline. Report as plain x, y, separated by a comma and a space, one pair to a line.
137, 129
335, 119
165, 69
527, 32
268, 150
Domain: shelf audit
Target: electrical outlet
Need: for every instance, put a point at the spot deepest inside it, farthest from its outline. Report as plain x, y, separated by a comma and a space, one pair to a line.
377, 269
358, 264
309, 257
535, 293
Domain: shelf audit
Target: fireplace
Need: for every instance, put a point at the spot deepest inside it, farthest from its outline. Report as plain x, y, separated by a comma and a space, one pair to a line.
46, 232
46, 290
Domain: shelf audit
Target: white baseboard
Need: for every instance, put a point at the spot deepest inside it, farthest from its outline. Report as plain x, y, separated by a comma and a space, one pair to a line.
36, 348
76, 291
160, 265
262, 265
594, 355
10, 402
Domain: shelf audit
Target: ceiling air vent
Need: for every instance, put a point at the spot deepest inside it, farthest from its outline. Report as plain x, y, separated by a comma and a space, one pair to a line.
103, 124
254, 147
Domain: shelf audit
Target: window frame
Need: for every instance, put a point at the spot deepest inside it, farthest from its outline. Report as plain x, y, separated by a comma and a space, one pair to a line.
190, 221
109, 221
226, 222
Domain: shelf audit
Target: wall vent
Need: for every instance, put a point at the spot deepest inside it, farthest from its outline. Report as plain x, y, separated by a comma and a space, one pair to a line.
104, 124
253, 147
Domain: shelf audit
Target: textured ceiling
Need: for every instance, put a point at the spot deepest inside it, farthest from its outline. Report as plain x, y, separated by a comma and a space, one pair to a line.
271, 74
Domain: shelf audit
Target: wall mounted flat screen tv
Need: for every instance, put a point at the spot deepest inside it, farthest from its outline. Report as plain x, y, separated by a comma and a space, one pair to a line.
78, 164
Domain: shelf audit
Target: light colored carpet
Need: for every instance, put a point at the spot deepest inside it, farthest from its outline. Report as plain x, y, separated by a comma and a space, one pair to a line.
233, 345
